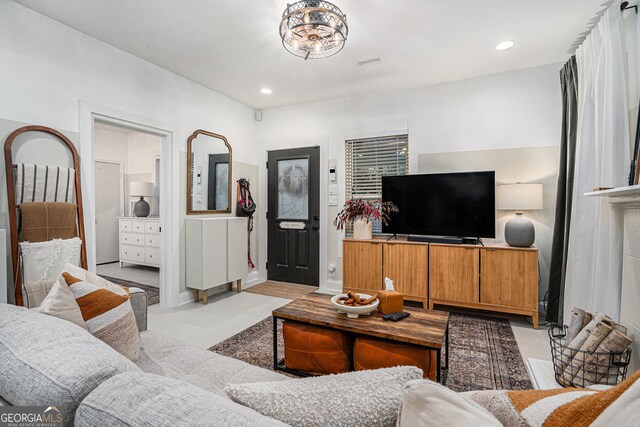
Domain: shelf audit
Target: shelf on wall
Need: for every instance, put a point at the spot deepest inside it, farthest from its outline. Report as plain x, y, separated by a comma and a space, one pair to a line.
630, 191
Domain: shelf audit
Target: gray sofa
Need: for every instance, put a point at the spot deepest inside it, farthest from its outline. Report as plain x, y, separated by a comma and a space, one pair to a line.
48, 361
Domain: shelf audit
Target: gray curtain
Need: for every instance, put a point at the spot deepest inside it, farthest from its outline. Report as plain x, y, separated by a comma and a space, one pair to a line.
569, 85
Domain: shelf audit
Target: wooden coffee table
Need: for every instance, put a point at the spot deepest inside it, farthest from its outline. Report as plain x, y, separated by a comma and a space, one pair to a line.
424, 328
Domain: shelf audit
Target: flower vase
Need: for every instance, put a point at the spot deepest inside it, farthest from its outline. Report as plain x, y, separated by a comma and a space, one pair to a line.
362, 229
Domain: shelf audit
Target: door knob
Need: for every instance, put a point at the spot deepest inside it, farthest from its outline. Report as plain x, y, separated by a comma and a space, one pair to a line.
315, 228
316, 218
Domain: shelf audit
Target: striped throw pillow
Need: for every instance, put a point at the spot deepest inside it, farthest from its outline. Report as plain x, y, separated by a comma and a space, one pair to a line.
619, 405
108, 315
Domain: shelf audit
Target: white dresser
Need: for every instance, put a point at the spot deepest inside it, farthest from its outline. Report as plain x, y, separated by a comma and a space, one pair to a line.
216, 253
139, 241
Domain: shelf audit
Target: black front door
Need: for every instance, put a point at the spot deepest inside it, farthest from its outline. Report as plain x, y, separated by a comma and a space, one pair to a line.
294, 215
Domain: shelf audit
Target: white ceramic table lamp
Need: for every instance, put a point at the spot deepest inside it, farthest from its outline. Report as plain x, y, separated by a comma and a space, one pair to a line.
141, 189
519, 231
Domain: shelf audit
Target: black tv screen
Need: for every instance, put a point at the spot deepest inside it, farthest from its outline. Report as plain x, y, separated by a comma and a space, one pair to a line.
444, 204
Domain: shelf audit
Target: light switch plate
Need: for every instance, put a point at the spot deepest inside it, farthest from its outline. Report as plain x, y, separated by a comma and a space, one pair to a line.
333, 200
333, 189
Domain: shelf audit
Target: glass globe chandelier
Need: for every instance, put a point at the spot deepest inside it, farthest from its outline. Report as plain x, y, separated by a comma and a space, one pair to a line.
313, 29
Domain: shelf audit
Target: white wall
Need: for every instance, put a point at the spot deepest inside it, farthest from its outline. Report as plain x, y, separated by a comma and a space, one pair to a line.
502, 111
47, 68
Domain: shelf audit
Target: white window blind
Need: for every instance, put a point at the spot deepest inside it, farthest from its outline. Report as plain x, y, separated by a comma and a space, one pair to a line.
367, 161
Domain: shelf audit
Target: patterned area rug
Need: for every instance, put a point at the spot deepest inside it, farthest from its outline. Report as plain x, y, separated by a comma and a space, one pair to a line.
153, 293
484, 353
281, 289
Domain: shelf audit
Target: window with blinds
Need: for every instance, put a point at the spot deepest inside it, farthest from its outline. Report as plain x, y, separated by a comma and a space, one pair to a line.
367, 161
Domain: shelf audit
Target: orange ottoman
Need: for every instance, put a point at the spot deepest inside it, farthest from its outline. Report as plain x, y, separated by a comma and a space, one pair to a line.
372, 353
316, 350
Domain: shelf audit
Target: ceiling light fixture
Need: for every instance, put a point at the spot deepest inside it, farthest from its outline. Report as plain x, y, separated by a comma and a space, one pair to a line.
505, 45
313, 29
266, 91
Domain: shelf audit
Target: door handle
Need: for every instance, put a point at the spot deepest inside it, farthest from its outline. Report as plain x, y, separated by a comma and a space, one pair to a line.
316, 218
315, 228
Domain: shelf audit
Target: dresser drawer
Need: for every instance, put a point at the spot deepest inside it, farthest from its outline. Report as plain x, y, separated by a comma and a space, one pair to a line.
151, 227
132, 239
152, 240
132, 253
126, 225
138, 226
152, 256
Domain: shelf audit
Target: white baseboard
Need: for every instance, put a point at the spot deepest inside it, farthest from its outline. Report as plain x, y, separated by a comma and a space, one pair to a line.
186, 297
252, 279
542, 374
331, 287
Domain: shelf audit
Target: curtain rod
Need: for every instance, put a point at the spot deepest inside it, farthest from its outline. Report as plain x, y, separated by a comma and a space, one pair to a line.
594, 21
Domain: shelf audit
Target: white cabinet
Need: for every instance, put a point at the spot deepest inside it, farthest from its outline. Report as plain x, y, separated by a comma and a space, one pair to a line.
216, 253
140, 241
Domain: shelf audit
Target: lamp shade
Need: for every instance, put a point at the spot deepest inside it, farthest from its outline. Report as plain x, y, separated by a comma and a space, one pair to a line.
519, 197
139, 188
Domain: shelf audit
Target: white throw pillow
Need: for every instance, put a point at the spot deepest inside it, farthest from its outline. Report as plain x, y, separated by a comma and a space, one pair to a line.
93, 278
61, 303
363, 398
427, 403
46, 260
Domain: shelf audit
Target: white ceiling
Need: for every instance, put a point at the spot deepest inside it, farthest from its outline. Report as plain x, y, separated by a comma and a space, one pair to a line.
233, 46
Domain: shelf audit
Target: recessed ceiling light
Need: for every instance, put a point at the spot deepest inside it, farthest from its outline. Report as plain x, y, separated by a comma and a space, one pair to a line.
155, 46
505, 45
266, 91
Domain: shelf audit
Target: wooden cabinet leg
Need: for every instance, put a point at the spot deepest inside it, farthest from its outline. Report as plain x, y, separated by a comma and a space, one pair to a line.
534, 320
204, 296
239, 285
230, 286
195, 295
425, 304
430, 305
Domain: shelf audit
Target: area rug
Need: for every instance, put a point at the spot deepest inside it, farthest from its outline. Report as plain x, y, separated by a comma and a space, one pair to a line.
281, 289
153, 293
484, 354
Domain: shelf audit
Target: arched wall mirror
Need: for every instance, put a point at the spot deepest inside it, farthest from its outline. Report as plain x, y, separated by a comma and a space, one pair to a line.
209, 173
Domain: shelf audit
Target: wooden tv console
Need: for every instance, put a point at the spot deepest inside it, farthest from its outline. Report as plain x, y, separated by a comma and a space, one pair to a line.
494, 277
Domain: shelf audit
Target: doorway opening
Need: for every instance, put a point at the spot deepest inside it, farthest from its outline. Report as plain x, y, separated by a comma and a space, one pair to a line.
127, 207
293, 217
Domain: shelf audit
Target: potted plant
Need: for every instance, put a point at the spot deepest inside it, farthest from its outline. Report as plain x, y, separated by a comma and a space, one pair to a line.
362, 212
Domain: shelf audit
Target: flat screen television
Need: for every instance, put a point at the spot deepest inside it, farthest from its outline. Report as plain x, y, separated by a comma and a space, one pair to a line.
442, 204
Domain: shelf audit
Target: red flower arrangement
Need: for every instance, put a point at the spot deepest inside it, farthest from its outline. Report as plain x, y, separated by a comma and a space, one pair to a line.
360, 209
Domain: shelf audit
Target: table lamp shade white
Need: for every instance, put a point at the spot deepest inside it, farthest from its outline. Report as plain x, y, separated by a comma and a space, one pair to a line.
519, 231
141, 189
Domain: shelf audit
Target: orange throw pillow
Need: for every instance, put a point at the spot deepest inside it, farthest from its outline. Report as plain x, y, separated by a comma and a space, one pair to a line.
108, 314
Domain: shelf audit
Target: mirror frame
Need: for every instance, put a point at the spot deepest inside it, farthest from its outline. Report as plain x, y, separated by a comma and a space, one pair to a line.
193, 136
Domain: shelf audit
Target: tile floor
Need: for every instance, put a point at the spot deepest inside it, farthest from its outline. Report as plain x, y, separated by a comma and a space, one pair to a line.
135, 273
228, 313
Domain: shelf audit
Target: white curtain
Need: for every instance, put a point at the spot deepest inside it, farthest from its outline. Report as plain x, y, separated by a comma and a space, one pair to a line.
594, 261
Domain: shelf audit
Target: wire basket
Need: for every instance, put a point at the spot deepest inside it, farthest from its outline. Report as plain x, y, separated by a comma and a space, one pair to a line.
577, 368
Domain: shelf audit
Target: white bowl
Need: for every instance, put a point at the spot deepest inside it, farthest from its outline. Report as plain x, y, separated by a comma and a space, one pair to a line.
353, 312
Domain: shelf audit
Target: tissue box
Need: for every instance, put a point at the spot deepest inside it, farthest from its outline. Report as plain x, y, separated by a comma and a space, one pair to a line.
390, 302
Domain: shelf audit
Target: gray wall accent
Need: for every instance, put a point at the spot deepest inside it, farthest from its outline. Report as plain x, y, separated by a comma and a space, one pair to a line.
527, 165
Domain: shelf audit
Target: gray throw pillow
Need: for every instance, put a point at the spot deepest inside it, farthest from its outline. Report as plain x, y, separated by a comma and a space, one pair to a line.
146, 400
49, 361
363, 398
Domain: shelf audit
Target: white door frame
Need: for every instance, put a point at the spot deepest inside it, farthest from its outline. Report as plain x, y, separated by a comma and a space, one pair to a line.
89, 112
121, 164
